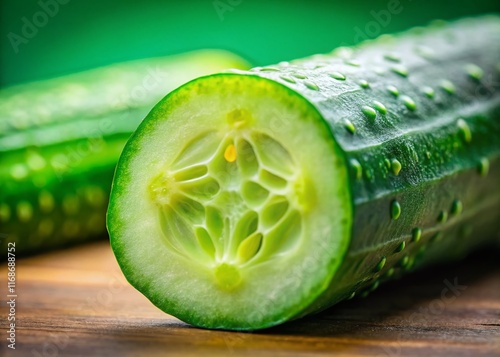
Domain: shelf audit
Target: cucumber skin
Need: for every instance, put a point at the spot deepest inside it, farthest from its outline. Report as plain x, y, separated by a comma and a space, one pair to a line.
423, 188
438, 164
78, 138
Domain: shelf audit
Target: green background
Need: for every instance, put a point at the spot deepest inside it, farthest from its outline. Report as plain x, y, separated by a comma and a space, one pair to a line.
89, 33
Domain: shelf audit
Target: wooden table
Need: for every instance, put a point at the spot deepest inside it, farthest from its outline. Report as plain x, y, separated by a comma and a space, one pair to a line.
77, 303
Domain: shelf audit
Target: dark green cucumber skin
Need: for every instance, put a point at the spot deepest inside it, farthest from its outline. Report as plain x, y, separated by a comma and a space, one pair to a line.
438, 164
78, 124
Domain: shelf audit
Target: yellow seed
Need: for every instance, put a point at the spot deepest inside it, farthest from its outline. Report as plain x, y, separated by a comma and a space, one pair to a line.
230, 153
227, 276
241, 117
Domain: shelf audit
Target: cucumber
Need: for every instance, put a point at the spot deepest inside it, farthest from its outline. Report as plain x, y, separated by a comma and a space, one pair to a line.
249, 198
60, 140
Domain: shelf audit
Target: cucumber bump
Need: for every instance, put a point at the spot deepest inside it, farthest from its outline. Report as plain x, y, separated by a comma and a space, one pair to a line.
251, 198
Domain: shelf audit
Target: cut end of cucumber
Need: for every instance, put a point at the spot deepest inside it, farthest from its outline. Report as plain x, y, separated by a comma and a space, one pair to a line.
230, 206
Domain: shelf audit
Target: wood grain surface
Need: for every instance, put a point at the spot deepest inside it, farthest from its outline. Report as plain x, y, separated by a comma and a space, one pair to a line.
76, 302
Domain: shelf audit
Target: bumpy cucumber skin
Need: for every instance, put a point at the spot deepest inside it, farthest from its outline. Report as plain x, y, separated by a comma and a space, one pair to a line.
60, 140
425, 153
420, 185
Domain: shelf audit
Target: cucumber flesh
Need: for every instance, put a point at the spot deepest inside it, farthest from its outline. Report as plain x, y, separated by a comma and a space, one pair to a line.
232, 204
250, 198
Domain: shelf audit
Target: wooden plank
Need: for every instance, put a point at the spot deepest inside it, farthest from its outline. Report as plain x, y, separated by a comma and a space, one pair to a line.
76, 302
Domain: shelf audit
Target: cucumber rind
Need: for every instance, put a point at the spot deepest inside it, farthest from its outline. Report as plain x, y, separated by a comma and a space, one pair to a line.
433, 141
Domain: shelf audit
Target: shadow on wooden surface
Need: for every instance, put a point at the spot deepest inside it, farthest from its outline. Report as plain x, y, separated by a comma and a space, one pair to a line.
76, 303
454, 308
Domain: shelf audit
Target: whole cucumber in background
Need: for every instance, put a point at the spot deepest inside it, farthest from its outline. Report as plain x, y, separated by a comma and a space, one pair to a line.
247, 199
60, 140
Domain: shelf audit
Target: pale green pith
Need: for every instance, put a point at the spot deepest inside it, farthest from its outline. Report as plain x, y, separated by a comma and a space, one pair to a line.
222, 196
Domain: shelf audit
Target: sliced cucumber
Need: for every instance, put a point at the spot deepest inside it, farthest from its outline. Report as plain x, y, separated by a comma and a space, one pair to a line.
224, 203
248, 199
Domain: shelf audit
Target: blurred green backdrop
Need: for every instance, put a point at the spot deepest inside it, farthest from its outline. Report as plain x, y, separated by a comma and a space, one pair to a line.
47, 38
